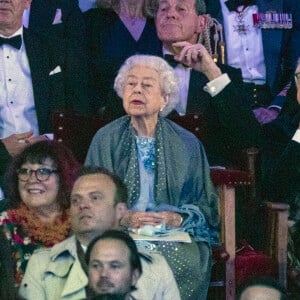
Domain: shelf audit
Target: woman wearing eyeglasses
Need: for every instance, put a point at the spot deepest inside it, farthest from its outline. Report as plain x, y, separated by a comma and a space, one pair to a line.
38, 185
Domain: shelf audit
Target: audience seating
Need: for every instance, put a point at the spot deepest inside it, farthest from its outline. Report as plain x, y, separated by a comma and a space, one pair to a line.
76, 131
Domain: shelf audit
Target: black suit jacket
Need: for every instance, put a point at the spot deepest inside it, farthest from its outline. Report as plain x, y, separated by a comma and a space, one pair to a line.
65, 90
230, 121
281, 160
69, 35
42, 15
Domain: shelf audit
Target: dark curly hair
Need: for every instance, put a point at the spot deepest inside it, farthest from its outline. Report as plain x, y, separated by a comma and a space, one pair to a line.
63, 159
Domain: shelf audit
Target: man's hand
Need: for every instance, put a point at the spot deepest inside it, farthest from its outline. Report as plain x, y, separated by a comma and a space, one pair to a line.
196, 56
265, 115
17, 142
35, 139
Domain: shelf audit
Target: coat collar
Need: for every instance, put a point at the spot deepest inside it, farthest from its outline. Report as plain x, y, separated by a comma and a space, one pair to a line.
64, 263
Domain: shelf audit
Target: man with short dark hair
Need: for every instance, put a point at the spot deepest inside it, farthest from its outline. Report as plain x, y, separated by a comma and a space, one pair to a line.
114, 265
98, 202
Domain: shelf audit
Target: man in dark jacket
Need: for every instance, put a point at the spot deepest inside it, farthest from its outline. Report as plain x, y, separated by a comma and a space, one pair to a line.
37, 78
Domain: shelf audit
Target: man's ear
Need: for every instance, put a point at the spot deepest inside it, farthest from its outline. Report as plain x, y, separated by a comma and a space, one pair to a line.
121, 209
135, 277
202, 20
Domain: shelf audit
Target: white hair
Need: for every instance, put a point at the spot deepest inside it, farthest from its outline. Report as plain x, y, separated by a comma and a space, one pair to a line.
168, 80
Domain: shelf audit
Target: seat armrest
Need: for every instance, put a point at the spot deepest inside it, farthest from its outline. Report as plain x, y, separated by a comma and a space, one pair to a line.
276, 206
229, 177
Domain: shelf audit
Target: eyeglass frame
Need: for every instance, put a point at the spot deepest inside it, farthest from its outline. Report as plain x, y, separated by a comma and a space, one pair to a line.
30, 171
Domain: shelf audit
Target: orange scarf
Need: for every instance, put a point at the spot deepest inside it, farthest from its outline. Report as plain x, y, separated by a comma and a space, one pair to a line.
48, 234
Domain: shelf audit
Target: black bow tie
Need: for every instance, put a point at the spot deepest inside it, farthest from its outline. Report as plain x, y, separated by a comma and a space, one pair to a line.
170, 60
15, 41
234, 4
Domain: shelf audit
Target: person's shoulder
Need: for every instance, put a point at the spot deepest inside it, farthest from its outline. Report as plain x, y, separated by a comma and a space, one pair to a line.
51, 253
69, 9
67, 245
115, 126
66, 3
98, 15
181, 132
39, 258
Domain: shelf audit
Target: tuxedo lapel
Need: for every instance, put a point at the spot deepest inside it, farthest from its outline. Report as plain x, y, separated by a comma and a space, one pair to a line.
42, 14
39, 68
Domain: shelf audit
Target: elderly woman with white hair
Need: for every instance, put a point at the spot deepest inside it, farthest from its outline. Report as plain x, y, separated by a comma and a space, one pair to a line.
164, 167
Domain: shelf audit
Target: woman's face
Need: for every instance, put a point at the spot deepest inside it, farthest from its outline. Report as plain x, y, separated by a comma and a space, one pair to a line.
142, 95
37, 194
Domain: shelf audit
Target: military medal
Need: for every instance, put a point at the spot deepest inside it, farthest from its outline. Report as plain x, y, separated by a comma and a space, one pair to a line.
240, 26
273, 20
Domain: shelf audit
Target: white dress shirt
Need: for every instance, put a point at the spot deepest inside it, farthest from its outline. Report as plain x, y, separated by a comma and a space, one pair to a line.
17, 108
244, 51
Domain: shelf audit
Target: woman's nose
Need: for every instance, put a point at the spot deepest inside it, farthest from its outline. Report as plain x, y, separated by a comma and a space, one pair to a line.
137, 88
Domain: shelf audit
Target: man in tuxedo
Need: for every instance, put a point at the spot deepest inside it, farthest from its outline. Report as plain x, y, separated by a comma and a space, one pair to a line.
205, 86
281, 153
35, 81
263, 46
280, 166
